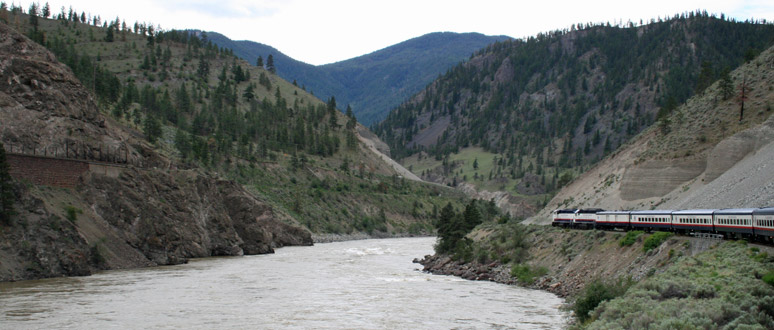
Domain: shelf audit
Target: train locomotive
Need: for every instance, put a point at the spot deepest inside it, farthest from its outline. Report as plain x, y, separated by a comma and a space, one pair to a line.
747, 223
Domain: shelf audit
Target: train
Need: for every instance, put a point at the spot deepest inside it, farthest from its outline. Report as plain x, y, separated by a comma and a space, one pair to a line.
741, 223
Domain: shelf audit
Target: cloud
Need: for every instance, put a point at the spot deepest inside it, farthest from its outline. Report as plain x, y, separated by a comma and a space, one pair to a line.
235, 9
756, 9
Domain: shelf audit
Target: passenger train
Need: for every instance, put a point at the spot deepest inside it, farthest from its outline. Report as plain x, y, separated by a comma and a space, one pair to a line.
749, 223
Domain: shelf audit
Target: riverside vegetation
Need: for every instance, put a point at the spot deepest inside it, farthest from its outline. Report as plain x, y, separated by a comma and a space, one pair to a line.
619, 280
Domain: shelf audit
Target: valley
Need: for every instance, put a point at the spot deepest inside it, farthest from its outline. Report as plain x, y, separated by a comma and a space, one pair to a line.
126, 146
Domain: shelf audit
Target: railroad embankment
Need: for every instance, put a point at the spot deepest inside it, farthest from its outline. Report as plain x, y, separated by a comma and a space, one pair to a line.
657, 271
562, 261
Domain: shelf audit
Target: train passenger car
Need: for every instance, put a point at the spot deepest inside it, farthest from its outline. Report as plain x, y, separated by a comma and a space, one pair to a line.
613, 219
652, 219
586, 218
564, 217
763, 223
693, 220
734, 222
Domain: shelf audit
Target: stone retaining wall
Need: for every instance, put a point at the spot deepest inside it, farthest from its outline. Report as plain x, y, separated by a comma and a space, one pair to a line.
55, 172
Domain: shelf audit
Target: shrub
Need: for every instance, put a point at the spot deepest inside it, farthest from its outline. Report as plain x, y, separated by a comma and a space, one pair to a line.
630, 237
72, 212
769, 278
96, 255
526, 274
595, 293
655, 240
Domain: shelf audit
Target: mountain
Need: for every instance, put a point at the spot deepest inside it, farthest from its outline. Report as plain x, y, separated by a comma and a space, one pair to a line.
130, 147
139, 211
374, 83
527, 116
704, 156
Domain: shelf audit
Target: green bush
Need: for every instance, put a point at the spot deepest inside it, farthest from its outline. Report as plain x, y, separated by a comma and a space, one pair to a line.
655, 240
72, 213
717, 289
630, 237
769, 278
526, 274
594, 294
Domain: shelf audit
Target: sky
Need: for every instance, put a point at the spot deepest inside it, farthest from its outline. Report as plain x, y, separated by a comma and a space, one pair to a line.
320, 32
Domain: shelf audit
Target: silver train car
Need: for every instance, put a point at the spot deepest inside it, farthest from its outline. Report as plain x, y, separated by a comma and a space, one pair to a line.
748, 223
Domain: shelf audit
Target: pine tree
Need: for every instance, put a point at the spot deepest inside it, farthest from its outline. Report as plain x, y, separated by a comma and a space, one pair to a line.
46, 11
726, 85
109, 34
259, 62
152, 128
33, 12
448, 228
744, 90
706, 77
270, 64
204, 68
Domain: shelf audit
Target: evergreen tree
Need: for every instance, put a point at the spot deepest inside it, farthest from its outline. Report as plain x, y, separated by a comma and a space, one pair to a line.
7, 196
46, 11
270, 64
259, 62
204, 68
706, 77
33, 12
152, 128
109, 34
472, 216
742, 97
449, 231
726, 85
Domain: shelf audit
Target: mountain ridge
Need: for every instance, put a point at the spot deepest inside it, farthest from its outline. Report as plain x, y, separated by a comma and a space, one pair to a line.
399, 69
527, 116
684, 166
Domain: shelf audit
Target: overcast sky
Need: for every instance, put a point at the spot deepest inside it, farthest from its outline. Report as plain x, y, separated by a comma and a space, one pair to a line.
326, 31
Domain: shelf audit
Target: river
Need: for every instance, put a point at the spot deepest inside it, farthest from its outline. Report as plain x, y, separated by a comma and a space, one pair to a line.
368, 284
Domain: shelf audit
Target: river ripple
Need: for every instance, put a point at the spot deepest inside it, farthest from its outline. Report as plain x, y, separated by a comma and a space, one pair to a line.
369, 284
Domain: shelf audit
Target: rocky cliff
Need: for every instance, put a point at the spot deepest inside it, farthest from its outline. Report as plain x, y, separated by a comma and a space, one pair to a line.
144, 212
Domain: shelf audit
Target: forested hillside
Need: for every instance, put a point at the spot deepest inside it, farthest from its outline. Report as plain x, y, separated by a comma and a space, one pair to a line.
203, 108
371, 84
528, 115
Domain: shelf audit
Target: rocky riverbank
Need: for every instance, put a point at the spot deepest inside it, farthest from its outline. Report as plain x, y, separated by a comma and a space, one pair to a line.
445, 265
572, 259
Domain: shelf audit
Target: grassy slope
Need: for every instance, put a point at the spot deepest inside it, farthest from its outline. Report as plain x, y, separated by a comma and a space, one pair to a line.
681, 283
461, 170
721, 288
322, 196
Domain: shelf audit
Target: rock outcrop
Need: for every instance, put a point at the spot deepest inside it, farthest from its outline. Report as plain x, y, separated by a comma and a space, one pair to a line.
129, 216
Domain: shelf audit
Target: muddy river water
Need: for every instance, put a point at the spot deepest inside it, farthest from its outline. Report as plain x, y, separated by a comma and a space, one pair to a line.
369, 284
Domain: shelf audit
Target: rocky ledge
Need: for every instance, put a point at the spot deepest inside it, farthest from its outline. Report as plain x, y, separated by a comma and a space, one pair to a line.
445, 265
